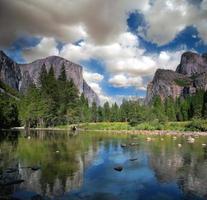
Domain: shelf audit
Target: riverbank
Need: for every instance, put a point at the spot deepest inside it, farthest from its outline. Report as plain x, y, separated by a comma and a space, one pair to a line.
172, 128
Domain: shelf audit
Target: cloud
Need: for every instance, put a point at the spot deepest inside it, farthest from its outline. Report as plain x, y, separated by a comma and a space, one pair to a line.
99, 21
68, 21
94, 77
94, 81
46, 47
165, 19
121, 80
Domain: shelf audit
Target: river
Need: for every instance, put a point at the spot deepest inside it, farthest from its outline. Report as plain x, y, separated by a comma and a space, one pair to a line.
58, 165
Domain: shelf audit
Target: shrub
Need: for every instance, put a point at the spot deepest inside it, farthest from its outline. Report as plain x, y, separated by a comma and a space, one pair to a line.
197, 125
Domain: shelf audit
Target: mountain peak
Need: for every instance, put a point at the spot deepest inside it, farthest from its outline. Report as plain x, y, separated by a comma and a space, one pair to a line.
182, 81
2, 54
192, 63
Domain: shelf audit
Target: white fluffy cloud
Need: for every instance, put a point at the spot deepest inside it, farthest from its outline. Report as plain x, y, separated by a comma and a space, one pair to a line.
165, 19
94, 77
46, 47
94, 80
120, 80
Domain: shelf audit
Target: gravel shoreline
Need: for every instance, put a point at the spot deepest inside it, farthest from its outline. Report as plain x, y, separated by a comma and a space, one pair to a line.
154, 132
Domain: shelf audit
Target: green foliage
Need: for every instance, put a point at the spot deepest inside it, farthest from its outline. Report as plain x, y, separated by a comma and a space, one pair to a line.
8, 112
158, 109
182, 82
204, 108
170, 109
106, 111
9, 90
197, 104
197, 125
94, 112
33, 108
54, 102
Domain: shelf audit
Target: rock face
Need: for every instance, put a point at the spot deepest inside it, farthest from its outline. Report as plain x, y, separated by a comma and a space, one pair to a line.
192, 64
10, 73
190, 76
20, 76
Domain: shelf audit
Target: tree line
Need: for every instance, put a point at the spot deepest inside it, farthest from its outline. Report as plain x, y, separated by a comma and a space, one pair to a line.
56, 101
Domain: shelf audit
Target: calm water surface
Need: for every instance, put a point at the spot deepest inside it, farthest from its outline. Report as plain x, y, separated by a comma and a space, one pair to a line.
82, 167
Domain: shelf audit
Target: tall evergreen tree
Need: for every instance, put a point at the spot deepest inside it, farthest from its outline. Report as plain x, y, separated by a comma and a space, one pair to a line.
62, 76
197, 104
94, 112
170, 109
158, 108
106, 111
100, 115
114, 117
204, 108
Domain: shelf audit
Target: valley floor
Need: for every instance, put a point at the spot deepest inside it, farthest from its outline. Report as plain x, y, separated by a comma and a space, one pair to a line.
195, 126
187, 127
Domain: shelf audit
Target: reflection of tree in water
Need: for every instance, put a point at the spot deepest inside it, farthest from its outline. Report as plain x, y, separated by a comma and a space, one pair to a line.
62, 160
187, 165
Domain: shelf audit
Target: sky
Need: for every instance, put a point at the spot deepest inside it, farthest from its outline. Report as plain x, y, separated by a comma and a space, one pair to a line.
119, 43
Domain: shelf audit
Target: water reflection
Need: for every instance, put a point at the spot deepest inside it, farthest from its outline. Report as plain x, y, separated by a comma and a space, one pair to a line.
82, 166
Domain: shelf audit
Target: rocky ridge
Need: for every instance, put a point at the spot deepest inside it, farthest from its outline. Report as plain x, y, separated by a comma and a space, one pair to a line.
189, 77
20, 76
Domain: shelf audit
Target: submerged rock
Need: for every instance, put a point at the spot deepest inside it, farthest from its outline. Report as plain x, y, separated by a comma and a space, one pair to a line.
191, 140
133, 159
123, 145
179, 145
35, 168
118, 168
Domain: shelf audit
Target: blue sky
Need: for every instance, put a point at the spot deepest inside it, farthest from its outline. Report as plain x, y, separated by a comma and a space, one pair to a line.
120, 45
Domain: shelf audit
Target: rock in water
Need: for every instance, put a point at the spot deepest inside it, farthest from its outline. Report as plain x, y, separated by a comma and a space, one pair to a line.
118, 168
191, 140
35, 168
133, 159
123, 145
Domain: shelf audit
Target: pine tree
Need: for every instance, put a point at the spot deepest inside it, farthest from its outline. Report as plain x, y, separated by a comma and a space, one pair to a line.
158, 108
106, 111
184, 107
197, 104
114, 117
85, 110
43, 76
170, 109
62, 77
100, 114
204, 108
94, 112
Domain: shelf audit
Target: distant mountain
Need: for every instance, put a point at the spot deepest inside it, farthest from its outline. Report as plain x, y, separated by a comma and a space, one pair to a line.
189, 77
21, 76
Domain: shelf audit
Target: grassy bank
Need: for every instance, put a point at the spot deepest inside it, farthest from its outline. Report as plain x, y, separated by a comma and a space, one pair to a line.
196, 125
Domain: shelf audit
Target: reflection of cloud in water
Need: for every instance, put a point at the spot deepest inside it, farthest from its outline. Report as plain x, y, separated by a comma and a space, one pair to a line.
98, 161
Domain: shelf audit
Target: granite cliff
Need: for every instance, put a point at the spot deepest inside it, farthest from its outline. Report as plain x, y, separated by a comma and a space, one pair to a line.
189, 77
20, 76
